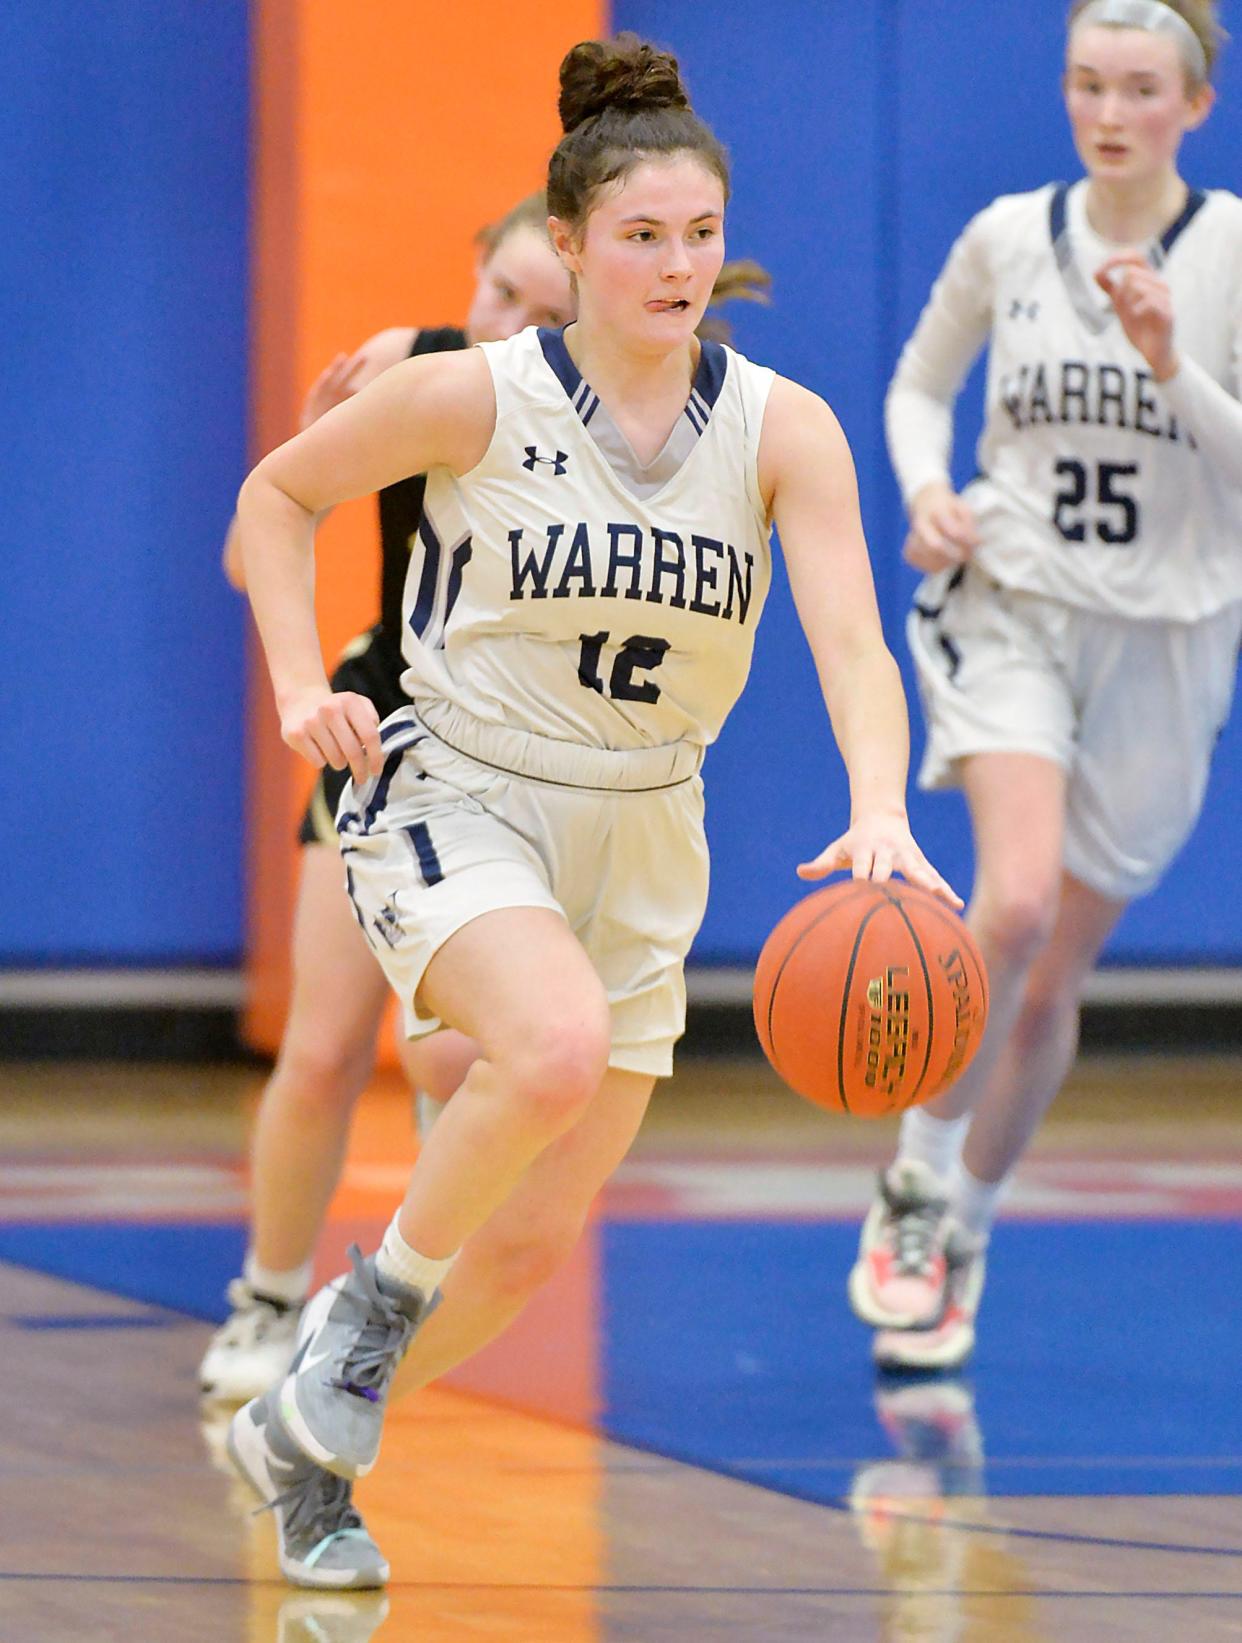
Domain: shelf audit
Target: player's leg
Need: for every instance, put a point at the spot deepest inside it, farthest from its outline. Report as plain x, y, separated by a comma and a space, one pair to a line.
435, 1066
531, 1234
1024, 1081
1017, 807
519, 983
1043, 1042
301, 1128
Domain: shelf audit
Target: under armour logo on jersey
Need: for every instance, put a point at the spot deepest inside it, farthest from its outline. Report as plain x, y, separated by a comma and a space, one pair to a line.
557, 463
1023, 310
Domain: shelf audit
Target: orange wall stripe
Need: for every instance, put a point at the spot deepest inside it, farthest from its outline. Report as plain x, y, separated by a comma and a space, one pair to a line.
387, 132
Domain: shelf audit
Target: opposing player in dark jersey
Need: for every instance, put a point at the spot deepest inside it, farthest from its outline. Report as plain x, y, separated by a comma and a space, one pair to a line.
339, 992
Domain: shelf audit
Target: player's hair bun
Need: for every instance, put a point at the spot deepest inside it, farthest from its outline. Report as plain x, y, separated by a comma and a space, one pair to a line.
625, 73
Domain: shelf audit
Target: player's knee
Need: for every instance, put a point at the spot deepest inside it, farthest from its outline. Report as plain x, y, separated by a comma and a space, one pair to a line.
325, 1072
1015, 924
557, 1071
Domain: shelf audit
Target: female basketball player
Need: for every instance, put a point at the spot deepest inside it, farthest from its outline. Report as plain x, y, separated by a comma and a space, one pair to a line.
524, 844
339, 990
1077, 634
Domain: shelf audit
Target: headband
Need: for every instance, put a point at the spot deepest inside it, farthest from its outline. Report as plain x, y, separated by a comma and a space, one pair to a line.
1156, 18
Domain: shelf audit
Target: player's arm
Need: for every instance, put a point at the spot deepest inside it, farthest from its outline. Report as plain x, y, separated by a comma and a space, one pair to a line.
339, 380
430, 412
918, 409
1144, 305
806, 474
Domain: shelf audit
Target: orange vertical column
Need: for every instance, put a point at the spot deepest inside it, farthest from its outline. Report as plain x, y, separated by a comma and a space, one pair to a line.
387, 133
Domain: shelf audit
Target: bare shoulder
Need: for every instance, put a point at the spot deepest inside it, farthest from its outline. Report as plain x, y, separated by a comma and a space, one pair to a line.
799, 428
451, 393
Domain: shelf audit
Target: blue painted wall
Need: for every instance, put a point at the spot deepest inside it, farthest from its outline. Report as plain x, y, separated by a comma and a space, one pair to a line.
863, 138
123, 267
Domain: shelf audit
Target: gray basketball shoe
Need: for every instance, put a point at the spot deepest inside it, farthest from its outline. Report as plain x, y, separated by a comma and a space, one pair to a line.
323, 1541
353, 1335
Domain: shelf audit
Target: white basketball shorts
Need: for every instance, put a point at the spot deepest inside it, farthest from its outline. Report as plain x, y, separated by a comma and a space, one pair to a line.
472, 817
1130, 710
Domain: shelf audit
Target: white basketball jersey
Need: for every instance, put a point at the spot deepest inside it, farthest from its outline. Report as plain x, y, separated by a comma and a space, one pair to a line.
564, 588
1091, 489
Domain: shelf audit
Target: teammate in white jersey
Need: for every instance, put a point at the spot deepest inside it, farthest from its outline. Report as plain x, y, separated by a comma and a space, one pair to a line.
1077, 634
525, 844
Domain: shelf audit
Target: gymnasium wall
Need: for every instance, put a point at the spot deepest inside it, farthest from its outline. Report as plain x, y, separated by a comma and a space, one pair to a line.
379, 134
124, 148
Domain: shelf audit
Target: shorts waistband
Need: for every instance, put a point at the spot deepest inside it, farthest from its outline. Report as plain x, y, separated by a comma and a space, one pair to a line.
544, 758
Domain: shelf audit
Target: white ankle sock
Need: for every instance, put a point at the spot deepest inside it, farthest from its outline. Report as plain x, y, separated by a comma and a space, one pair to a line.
290, 1287
936, 1142
975, 1202
396, 1261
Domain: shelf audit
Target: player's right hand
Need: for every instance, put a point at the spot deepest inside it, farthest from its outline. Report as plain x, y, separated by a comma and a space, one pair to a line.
334, 727
943, 532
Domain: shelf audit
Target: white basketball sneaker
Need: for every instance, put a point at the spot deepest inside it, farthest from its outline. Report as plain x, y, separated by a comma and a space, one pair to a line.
948, 1342
252, 1348
899, 1277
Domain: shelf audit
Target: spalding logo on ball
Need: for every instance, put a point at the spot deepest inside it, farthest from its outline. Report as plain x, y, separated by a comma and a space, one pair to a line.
870, 998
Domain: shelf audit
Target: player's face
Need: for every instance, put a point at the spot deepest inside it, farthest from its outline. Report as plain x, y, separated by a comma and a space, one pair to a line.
651, 252
1128, 102
522, 283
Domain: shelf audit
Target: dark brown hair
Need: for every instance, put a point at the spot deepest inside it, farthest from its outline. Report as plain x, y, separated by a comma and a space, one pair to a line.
622, 101
1200, 14
532, 212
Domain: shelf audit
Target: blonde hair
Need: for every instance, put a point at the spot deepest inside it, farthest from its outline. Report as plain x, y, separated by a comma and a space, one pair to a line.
532, 212
1201, 16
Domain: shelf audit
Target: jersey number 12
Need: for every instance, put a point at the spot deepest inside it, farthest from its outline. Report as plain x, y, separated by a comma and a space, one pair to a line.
636, 655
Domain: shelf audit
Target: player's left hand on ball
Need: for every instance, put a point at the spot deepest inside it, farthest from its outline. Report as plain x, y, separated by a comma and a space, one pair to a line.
876, 847
1143, 303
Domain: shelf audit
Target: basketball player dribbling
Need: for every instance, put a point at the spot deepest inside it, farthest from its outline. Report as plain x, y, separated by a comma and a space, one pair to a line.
1076, 636
338, 990
524, 844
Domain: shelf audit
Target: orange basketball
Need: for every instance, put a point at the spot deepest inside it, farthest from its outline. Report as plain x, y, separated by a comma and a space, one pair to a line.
870, 998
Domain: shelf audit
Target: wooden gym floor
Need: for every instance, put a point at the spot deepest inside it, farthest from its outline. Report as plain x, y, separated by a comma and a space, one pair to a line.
684, 1438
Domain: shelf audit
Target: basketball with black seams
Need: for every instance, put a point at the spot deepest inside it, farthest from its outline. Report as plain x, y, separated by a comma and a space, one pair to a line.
870, 998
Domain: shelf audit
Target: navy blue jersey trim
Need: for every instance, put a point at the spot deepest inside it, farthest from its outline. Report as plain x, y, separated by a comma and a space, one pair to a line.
709, 378
557, 356
420, 616
428, 862
1195, 201
1056, 212
380, 797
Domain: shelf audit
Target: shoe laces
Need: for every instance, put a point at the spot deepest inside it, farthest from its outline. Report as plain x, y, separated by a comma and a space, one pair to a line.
317, 1507
914, 1225
252, 1317
373, 1355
